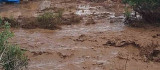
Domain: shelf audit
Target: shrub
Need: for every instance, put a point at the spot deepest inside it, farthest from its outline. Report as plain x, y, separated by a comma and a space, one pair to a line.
11, 56
50, 20
148, 9
11, 20
0, 21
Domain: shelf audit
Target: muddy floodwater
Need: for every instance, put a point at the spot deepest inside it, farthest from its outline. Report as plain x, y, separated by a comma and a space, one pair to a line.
81, 46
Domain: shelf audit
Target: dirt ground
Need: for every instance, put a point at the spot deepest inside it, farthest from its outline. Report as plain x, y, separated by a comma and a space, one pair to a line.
100, 42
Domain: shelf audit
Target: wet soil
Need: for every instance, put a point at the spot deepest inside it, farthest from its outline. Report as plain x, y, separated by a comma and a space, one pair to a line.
106, 45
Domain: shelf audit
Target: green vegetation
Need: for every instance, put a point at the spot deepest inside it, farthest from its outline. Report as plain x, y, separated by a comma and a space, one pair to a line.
127, 13
46, 20
11, 56
149, 10
50, 20
0, 20
11, 20
143, 4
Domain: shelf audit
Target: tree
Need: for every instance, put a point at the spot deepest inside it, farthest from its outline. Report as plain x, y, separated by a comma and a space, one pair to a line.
148, 9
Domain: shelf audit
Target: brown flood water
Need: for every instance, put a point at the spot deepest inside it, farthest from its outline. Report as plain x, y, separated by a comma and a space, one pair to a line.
81, 47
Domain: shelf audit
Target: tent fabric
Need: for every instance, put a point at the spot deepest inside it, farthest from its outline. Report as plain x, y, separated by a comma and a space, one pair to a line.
14, 1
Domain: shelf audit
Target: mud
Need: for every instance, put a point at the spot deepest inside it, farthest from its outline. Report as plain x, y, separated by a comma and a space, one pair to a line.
106, 45
80, 50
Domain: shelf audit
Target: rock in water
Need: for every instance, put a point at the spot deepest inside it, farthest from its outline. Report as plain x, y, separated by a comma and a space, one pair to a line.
90, 21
